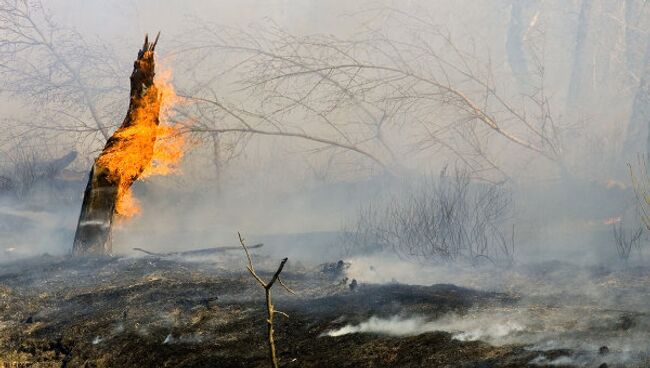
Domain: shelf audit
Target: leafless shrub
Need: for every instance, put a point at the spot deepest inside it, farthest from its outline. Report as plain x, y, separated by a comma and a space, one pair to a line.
626, 241
448, 220
23, 166
21, 170
5, 184
641, 185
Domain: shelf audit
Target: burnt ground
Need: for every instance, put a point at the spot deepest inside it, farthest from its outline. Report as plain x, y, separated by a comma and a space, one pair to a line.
160, 312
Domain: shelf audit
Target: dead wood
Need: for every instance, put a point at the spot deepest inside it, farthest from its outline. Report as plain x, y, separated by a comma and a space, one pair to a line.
106, 183
195, 252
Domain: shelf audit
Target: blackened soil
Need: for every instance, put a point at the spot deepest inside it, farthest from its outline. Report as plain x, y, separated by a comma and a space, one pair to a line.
149, 312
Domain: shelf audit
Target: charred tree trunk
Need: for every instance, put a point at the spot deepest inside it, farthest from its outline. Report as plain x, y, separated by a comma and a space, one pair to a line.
634, 36
579, 69
639, 123
124, 157
519, 23
638, 61
641, 108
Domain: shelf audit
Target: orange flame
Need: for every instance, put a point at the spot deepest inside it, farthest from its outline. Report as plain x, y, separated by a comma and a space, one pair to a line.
149, 145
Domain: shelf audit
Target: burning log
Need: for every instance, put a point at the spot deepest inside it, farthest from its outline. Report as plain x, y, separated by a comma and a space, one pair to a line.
125, 156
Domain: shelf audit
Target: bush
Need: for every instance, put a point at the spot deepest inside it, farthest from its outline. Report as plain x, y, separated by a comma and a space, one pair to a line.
448, 219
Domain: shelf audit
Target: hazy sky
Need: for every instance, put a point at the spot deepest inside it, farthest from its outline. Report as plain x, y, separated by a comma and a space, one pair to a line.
118, 18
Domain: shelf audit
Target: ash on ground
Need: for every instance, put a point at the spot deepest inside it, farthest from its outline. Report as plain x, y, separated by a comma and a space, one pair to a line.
156, 311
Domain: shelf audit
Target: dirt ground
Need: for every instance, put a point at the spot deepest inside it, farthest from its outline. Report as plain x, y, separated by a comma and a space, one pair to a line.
171, 312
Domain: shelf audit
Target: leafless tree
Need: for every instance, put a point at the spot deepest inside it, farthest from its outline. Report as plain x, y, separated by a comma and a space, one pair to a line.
581, 67
390, 93
640, 117
637, 57
626, 241
400, 88
449, 219
72, 85
393, 92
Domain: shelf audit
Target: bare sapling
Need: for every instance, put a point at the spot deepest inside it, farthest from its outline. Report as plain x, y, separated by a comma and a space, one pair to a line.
270, 308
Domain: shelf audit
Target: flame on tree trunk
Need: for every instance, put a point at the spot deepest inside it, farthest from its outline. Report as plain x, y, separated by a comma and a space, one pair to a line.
127, 154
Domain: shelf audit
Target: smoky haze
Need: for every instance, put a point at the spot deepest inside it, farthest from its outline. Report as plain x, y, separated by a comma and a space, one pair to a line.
301, 115
497, 145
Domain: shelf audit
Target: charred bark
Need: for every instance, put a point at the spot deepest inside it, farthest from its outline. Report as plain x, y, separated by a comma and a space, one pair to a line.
115, 169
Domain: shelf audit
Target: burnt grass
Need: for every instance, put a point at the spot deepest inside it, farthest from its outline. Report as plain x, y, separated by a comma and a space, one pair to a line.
159, 312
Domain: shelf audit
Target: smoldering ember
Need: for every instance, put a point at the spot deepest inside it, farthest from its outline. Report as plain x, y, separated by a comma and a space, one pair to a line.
265, 183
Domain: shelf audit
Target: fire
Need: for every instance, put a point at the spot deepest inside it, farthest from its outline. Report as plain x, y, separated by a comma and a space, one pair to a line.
149, 146
169, 146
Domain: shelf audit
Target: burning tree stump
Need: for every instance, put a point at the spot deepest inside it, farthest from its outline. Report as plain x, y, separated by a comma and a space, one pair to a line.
127, 154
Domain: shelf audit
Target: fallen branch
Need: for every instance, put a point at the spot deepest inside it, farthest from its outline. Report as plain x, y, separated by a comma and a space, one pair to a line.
194, 252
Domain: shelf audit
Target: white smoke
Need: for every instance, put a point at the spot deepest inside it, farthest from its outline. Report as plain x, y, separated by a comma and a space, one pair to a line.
560, 361
464, 328
585, 330
393, 326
